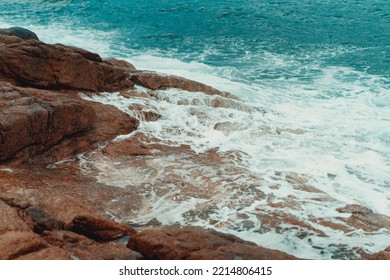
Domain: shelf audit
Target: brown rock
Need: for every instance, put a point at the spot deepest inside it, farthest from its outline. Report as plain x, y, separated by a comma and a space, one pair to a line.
18, 242
32, 121
15, 244
137, 93
34, 63
281, 222
60, 125
223, 102
138, 145
52, 253
128, 147
111, 122
120, 63
6, 39
364, 218
143, 113
355, 209
154, 81
196, 243
19, 32
10, 220
63, 238
41, 220
104, 252
249, 252
383, 255
300, 182
240, 252
63, 192
68, 147
83, 248
330, 224
99, 229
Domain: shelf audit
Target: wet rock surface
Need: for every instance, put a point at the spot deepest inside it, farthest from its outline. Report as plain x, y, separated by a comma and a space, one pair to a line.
60, 124
181, 243
383, 255
140, 145
19, 32
32, 121
36, 64
83, 248
99, 229
154, 81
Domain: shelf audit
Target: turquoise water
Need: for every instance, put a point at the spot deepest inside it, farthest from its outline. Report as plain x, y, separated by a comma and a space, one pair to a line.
356, 31
322, 67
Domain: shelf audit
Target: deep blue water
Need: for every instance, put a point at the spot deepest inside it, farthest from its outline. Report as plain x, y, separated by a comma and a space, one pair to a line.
232, 29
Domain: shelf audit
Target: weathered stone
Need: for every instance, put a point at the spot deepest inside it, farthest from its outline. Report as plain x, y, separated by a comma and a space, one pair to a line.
239, 252
364, 218
154, 81
15, 244
382, 255
31, 121
10, 219
34, 63
56, 125
19, 32
99, 229
144, 113
7, 40
51, 253
120, 63
111, 122
104, 252
281, 222
41, 220
83, 248
196, 243
138, 146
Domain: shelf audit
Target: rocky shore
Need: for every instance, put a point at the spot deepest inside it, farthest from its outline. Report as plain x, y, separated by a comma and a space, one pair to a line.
49, 207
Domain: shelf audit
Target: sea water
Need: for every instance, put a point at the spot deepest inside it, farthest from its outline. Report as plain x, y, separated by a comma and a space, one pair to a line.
317, 74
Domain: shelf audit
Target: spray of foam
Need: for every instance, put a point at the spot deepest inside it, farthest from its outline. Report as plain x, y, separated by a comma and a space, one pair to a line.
268, 162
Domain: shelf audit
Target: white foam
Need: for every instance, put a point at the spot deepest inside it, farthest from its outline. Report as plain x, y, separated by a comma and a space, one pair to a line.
296, 131
7, 169
92, 40
331, 155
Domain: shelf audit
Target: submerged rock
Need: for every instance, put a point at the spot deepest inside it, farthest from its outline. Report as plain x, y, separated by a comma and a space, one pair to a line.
364, 218
138, 146
155, 81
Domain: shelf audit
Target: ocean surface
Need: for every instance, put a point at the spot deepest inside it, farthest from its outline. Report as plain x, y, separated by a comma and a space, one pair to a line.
317, 73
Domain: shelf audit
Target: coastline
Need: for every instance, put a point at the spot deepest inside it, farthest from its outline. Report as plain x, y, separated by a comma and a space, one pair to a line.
57, 199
